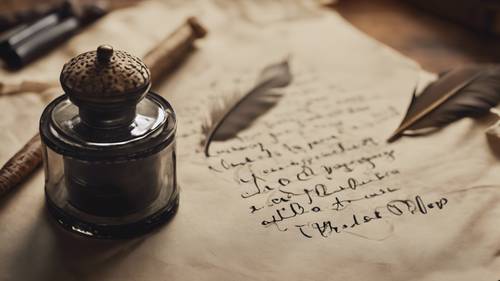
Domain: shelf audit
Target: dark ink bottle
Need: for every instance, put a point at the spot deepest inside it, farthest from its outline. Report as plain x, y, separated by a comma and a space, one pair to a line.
109, 148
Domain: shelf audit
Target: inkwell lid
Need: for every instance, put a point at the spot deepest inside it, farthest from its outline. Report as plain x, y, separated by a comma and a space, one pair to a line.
104, 105
106, 85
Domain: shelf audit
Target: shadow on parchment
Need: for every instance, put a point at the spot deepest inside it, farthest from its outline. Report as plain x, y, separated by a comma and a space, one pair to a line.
482, 123
48, 252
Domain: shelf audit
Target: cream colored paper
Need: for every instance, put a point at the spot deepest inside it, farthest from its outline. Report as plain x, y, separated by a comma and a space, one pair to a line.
313, 152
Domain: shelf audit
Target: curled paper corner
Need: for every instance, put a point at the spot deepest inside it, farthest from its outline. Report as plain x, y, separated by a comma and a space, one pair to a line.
493, 134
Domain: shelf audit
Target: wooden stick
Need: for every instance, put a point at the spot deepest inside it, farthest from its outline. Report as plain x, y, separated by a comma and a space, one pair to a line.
161, 60
21, 165
173, 49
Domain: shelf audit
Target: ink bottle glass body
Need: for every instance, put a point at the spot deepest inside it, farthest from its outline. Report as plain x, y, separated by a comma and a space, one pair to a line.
109, 148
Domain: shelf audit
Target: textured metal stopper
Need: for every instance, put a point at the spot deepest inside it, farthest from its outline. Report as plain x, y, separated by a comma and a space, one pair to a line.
104, 73
106, 85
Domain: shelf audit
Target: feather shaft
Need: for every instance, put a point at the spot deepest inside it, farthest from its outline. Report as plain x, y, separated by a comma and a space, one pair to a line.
469, 91
406, 124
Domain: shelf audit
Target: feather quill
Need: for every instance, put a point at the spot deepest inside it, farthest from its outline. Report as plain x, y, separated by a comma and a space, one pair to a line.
230, 116
466, 92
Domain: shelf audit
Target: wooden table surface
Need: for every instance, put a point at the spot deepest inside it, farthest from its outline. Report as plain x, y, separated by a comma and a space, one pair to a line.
435, 43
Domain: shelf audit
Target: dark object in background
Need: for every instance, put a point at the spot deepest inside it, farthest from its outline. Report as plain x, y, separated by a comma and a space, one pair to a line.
109, 148
482, 15
28, 41
16, 12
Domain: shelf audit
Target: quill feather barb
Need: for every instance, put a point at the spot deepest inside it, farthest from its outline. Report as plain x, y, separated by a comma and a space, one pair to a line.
234, 114
466, 92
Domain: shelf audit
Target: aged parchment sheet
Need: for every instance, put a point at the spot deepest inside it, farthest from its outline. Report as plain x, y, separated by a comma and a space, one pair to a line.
311, 192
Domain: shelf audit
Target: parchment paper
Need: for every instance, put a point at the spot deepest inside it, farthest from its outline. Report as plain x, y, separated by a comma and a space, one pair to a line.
311, 192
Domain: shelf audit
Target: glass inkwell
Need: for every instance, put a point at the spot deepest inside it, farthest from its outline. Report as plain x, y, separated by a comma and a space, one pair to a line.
109, 148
